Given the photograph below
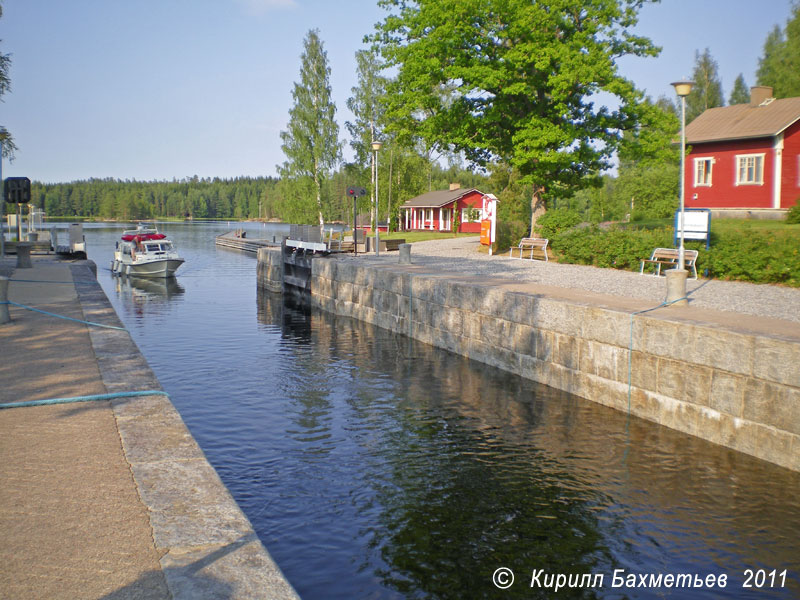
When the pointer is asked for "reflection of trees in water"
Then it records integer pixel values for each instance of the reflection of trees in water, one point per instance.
(446, 515)
(308, 386)
(473, 504)
(466, 468)
(470, 491)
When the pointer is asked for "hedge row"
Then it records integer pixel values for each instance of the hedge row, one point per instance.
(758, 257)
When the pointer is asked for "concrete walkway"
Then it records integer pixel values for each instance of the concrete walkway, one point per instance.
(109, 499)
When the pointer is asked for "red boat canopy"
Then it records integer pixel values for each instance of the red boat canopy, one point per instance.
(143, 237)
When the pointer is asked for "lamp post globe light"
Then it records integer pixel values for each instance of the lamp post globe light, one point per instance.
(676, 278)
(376, 146)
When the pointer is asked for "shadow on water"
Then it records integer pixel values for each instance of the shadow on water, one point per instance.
(454, 469)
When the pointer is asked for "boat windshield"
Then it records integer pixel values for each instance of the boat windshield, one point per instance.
(162, 247)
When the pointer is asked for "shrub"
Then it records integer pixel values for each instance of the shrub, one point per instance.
(507, 234)
(758, 256)
(794, 213)
(754, 255)
(553, 222)
(617, 248)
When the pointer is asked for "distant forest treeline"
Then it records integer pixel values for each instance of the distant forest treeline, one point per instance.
(237, 198)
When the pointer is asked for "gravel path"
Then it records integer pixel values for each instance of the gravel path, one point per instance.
(461, 255)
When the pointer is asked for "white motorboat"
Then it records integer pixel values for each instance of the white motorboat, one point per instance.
(145, 252)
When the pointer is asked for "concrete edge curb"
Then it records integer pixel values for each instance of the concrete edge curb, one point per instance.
(207, 545)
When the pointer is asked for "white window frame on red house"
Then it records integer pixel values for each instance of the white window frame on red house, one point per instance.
(743, 168)
(470, 214)
(702, 171)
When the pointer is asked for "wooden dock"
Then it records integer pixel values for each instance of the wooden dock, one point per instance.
(336, 243)
(237, 241)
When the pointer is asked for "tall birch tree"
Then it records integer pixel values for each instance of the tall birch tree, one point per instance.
(366, 106)
(311, 141)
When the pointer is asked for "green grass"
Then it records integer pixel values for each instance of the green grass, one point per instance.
(724, 226)
(753, 225)
(422, 236)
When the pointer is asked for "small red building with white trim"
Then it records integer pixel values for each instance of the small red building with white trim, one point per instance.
(745, 156)
(435, 211)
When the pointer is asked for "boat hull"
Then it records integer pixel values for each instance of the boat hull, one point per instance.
(152, 268)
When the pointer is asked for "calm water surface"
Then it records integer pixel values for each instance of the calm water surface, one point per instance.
(373, 466)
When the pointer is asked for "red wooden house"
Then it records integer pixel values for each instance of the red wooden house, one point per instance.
(745, 156)
(437, 210)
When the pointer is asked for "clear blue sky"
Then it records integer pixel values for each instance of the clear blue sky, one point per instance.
(162, 89)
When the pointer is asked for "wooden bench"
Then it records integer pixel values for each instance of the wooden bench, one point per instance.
(669, 257)
(532, 244)
(393, 244)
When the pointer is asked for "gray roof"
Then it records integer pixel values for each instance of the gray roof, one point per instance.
(743, 121)
(439, 198)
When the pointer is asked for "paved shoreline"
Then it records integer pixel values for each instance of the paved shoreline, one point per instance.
(461, 255)
(108, 499)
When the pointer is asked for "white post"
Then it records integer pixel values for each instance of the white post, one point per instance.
(777, 179)
(377, 228)
(676, 278)
(681, 252)
(375, 147)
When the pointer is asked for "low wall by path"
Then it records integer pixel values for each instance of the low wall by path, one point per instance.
(207, 545)
(691, 370)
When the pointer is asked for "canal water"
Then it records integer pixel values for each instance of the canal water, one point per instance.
(374, 466)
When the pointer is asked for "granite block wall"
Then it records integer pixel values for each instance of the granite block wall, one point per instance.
(738, 390)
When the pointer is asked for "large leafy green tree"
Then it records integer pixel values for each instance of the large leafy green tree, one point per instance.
(707, 90)
(311, 141)
(516, 81)
(779, 67)
(5, 86)
(740, 94)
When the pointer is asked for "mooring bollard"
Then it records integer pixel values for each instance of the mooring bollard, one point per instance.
(676, 287)
(4, 316)
(24, 255)
(405, 254)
